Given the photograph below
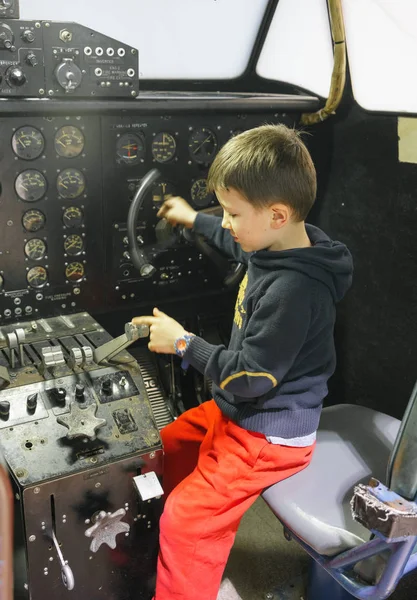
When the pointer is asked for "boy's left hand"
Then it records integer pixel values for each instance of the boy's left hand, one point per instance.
(163, 331)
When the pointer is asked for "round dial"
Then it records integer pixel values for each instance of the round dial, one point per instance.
(69, 141)
(33, 220)
(163, 147)
(70, 183)
(199, 194)
(73, 216)
(202, 145)
(37, 277)
(28, 143)
(73, 245)
(162, 191)
(30, 185)
(130, 148)
(74, 271)
(35, 249)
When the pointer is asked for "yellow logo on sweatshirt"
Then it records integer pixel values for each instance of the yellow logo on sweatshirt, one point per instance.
(239, 310)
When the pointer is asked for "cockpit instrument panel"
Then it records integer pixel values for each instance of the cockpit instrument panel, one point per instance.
(67, 182)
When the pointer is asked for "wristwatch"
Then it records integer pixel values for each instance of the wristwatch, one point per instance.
(182, 343)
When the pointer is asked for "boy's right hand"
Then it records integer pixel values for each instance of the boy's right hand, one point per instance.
(177, 211)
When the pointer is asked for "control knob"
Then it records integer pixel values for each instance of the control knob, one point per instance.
(31, 402)
(6, 36)
(4, 409)
(79, 392)
(32, 59)
(15, 76)
(60, 395)
(28, 36)
(106, 386)
(68, 75)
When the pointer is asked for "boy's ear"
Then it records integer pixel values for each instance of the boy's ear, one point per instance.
(280, 215)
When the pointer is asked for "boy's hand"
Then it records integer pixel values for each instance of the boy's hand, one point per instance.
(178, 212)
(163, 331)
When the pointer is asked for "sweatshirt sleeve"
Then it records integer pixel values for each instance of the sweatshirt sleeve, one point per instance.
(274, 336)
(211, 228)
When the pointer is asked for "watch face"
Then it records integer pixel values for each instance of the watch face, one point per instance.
(181, 345)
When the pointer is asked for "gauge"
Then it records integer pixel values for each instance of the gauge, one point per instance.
(74, 271)
(33, 220)
(199, 194)
(37, 277)
(35, 249)
(69, 141)
(70, 183)
(73, 245)
(28, 143)
(30, 185)
(162, 192)
(1, 282)
(202, 145)
(130, 148)
(73, 216)
(163, 147)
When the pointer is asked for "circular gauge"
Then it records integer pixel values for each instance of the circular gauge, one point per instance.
(37, 277)
(28, 143)
(74, 271)
(163, 147)
(202, 145)
(130, 148)
(35, 249)
(73, 245)
(70, 183)
(69, 141)
(162, 191)
(30, 185)
(33, 220)
(73, 216)
(199, 194)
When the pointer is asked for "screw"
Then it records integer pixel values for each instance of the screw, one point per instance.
(32, 538)
(152, 455)
(36, 490)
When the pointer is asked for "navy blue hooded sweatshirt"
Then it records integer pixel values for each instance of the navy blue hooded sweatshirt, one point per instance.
(272, 378)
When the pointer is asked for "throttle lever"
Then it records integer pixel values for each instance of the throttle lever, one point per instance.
(112, 348)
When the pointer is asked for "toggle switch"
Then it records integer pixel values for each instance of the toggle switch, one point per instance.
(4, 409)
(79, 392)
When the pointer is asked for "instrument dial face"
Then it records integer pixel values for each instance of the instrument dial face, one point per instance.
(70, 183)
(69, 141)
(30, 185)
(35, 249)
(163, 147)
(37, 277)
(73, 245)
(162, 191)
(73, 216)
(130, 148)
(28, 143)
(33, 220)
(199, 194)
(74, 271)
(202, 145)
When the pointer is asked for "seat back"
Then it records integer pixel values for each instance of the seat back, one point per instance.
(402, 465)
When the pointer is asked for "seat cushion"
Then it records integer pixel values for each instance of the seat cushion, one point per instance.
(353, 444)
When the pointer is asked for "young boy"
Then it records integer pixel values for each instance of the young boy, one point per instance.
(269, 384)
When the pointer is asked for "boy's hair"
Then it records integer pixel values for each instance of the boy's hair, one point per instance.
(267, 164)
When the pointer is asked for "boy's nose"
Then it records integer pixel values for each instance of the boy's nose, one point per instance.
(225, 222)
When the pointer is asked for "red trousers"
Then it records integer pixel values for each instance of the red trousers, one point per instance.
(214, 471)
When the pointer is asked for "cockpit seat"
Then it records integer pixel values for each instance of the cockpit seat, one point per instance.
(354, 444)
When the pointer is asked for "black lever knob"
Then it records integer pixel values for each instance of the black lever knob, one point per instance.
(4, 409)
(32, 402)
(79, 391)
(106, 386)
(60, 395)
(15, 76)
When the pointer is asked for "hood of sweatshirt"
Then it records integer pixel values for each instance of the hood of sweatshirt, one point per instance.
(327, 261)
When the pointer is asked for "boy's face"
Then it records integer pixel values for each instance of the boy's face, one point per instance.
(251, 228)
